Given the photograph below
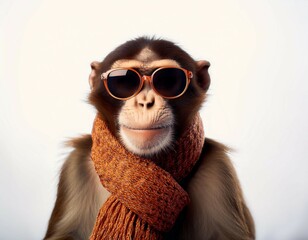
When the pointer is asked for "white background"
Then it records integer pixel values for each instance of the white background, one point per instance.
(257, 101)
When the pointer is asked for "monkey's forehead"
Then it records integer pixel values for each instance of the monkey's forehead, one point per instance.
(145, 60)
(144, 65)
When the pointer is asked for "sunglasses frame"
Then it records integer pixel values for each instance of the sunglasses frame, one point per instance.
(188, 75)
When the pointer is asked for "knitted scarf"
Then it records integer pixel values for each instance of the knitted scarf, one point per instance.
(146, 197)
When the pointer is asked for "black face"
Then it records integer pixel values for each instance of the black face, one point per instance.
(183, 107)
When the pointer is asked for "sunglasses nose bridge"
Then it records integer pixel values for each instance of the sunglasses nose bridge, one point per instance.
(146, 78)
(146, 81)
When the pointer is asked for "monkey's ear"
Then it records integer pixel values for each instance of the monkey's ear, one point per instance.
(203, 76)
(94, 73)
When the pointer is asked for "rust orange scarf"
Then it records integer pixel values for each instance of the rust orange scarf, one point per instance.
(146, 197)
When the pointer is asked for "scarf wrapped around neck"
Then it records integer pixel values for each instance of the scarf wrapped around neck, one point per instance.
(146, 197)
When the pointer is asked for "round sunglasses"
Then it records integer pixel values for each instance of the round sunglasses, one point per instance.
(168, 82)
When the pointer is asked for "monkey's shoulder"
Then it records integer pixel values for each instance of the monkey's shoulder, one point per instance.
(214, 148)
(215, 157)
(80, 154)
(81, 143)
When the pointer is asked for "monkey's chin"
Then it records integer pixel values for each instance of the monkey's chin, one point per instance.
(146, 142)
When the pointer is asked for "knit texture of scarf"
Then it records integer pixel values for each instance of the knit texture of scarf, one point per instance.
(146, 197)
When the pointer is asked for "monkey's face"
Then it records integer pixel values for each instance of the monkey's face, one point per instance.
(146, 123)
(147, 100)
(146, 120)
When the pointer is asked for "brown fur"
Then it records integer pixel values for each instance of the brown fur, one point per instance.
(80, 195)
(217, 209)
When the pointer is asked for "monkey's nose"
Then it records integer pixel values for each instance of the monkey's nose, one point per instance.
(145, 100)
(146, 97)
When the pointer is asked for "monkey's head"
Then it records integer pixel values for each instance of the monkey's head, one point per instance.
(148, 91)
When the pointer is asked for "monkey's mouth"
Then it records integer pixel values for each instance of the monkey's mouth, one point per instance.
(147, 134)
(146, 141)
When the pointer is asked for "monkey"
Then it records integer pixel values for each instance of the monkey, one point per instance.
(217, 208)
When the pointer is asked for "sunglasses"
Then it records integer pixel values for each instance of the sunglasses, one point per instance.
(168, 82)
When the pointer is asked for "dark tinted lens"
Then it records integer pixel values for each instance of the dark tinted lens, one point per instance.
(123, 83)
(169, 82)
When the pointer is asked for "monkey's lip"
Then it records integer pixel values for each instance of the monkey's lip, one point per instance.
(146, 128)
(145, 137)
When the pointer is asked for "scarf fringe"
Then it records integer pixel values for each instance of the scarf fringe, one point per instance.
(116, 221)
